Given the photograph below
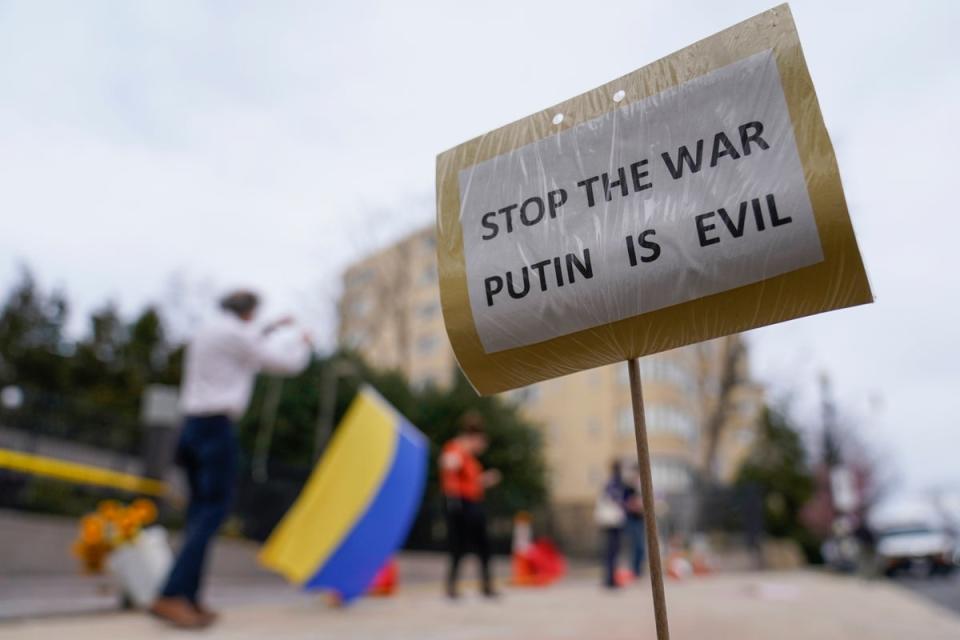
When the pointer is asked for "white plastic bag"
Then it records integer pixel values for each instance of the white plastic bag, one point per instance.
(141, 567)
(608, 513)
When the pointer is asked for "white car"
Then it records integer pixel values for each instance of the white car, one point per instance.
(917, 549)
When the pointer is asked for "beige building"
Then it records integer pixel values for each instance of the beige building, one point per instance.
(390, 313)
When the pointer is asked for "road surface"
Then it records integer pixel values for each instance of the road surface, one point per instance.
(943, 591)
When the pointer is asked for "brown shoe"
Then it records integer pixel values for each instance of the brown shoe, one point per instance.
(177, 612)
(209, 616)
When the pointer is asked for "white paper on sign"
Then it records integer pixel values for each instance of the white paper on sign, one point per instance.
(557, 234)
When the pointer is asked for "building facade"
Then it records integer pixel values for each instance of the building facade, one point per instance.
(390, 314)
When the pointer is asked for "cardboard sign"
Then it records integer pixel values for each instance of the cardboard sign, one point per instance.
(693, 198)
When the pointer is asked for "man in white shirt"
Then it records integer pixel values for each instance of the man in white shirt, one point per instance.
(222, 362)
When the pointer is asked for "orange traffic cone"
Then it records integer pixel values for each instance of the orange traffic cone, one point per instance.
(385, 583)
(523, 574)
(701, 565)
(700, 557)
(535, 562)
(678, 567)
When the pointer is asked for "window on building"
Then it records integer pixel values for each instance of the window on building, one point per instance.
(429, 274)
(670, 476)
(553, 432)
(745, 438)
(426, 344)
(355, 339)
(625, 421)
(595, 476)
(426, 380)
(593, 428)
(712, 386)
(650, 368)
(360, 307)
(429, 310)
(526, 394)
(671, 420)
(746, 407)
(360, 277)
(669, 369)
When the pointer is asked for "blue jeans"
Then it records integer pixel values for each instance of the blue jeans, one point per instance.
(611, 550)
(638, 543)
(208, 452)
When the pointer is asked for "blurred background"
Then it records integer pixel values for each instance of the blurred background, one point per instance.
(153, 155)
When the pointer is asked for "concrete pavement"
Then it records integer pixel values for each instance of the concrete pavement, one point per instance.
(788, 606)
(41, 596)
(39, 577)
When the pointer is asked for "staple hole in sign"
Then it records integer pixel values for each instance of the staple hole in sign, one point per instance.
(619, 95)
(557, 119)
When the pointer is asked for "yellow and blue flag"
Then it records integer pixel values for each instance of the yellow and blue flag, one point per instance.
(358, 504)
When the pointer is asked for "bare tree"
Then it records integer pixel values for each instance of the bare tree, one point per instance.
(718, 381)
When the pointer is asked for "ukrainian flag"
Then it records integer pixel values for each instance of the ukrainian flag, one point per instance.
(358, 505)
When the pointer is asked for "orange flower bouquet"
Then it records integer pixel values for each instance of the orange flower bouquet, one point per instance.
(119, 537)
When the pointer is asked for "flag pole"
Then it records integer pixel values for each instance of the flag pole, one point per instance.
(646, 493)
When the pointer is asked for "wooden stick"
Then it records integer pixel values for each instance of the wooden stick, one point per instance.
(646, 489)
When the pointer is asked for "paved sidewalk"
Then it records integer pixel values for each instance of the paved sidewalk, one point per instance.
(39, 577)
(789, 606)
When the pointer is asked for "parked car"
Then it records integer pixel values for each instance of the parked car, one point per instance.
(916, 538)
(917, 549)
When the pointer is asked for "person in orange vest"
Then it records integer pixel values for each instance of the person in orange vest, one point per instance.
(463, 482)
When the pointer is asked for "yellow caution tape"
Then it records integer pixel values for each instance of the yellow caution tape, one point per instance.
(79, 473)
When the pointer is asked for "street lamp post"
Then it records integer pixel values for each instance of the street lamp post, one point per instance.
(336, 369)
(268, 420)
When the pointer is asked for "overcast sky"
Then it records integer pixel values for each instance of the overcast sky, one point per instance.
(271, 143)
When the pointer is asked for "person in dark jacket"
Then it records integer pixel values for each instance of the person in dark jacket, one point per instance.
(611, 515)
(636, 534)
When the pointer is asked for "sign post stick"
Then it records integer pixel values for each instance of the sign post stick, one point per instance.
(646, 490)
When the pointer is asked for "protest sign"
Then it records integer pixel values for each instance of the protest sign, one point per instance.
(696, 197)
